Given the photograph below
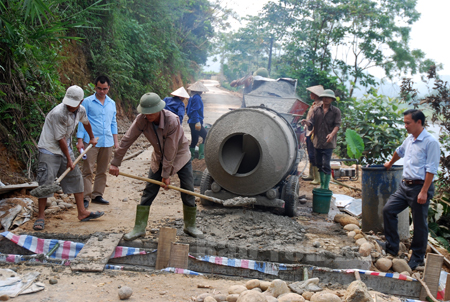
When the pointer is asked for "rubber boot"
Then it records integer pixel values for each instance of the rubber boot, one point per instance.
(326, 181)
(311, 173)
(189, 215)
(322, 180)
(316, 180)
(140, 224)
(192, 153)
(201, 151)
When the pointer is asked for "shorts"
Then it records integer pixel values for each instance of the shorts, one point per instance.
(51, 166)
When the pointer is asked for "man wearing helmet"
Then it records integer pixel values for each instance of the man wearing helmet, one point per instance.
(170, 155)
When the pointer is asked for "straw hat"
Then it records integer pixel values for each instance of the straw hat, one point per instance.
(181, 92)
(198, 86)
(317, 90)
(328, 93)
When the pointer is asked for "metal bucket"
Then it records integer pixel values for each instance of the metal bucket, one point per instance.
(377, 185)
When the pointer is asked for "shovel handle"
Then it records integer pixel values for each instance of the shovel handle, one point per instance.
(216, 200)
(74, 163)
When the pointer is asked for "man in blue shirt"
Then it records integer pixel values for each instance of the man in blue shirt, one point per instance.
(101, 112)
(421, 152)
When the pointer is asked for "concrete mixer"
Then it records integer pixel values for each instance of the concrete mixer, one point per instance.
(252, 152)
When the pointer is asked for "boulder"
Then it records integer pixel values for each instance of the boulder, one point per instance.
(361, 241)
(236, 289)
(357, 292)
(232, 298)
(358, 236)
(202, 297)
(325, 297)
(220, 298)
(264, 285)
(251, 296)
(271, 299)
(346, 219)
(365, 249)
(383, 264)
(125, 292)
(291, 297)
(257, 289)
(400, 265)
(310, 285)
(351, 234)
(351, 227)
(278, 287)
(209, 299)
(252, 283)
(307, 295)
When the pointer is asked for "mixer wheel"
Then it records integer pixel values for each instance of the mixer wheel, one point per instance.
(290, 195)
(205, 185)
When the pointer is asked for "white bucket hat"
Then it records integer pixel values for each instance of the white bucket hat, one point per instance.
(181, 92)
(74, 95)
(198, 86)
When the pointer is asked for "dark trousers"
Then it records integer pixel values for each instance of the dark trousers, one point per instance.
(406, 196)
(323, 159)
(311, 151)
(186, 182)
(195, 135)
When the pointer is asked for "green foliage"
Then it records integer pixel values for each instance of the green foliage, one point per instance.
(378, 120)
(355, 144)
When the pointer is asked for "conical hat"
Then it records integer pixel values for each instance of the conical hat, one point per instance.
(317, 90)
(181, 92)
(198, 86)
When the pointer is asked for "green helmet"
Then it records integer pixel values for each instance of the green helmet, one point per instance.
(262, 72)
(328, 93)
(150, 103)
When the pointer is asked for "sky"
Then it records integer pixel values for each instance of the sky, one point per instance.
(428, 34)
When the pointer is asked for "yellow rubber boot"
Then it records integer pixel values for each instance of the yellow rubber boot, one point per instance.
(316, 180)
(311, 173)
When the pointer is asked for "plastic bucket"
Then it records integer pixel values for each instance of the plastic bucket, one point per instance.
(321, 200)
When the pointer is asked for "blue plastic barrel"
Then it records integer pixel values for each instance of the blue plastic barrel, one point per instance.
(378, 184)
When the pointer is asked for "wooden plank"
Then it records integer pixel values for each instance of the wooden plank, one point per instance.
(431, 275)
(179, 254)
(435, 250)
(28, 186)
(447, 289)
(95, 254)
(166, 237)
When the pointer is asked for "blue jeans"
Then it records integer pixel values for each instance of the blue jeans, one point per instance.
(406, 196)
(186, 182)
(323, 159)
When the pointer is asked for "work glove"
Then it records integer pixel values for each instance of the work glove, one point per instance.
(198, 126)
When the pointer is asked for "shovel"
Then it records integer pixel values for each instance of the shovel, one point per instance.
(237, 201)
(45, 190)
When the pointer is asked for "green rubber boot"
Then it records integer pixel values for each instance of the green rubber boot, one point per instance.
(326, 181)
(316, 180)
(311, 173)
(140, 224)
(322, 180)
(189, 215)
(201, 151)
(192, 153)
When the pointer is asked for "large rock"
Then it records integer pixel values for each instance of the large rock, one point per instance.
(357, 292)
(232, 298)
(271, 299)
(310, 285)
(252, 283)
(220, 298)
(236, 289)
(351, 234)
(351, 227)
(251, 296)
(359, 242)
(264, 285)
(125, 292)
(400, 265)
(344, 219)
(278, 287)
(325, 297)
(358, 236)
(291, 297)
(383, 264)
(209, 299)
(307, 295)
(202, 297)
(365, 249)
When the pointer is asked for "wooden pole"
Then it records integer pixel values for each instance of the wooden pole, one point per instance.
(431, 276)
